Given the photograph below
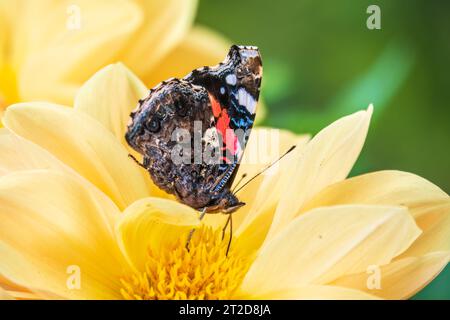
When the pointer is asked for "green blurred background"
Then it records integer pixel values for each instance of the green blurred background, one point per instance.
(322, 62)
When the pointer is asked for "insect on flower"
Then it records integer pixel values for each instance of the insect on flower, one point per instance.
(222, 100)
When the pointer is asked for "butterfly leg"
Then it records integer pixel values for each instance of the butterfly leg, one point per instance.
(230, 219)
(225, 227)
(143, 165)
(137, 161)
(191, 233)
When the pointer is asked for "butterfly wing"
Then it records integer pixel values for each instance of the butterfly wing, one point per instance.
(210, 102)
(233, 88)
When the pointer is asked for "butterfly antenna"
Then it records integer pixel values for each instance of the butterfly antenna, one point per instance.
(239, 182)
(265, 169)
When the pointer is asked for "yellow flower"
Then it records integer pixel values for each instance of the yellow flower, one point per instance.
(80, 220)
(49, 48)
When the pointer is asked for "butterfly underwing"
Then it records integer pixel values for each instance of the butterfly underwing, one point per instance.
(217, 104)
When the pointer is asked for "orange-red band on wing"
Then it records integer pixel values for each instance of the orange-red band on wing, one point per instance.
(216, 108)
(230, 140)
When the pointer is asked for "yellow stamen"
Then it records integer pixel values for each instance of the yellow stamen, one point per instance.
(203, 272)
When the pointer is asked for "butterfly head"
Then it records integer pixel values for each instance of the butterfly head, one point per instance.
(225, 202)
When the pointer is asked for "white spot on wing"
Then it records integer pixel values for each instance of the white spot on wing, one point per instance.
(231, 79)
(246, 100)
(242, 97)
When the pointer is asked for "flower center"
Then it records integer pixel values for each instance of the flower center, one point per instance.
(203, 272)
(8, 86)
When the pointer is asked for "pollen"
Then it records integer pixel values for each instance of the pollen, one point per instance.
(204, 272)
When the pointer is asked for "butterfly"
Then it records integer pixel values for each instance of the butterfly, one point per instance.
(211, 111)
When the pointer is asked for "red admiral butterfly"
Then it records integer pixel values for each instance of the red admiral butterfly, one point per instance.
(219, 104)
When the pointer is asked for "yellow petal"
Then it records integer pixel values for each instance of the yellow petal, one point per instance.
(110, 96)
(19, 292)
(400, 279)
(7, 285)
(164, 25)
(313, 293)
(14, 291)
(436, 233)
(328, 158)
(5, 295)
(19, 154)
(8, 83)
(383, 187)
(51, 228)
(326, 243)
(152, 223)
(4, 28)
(82, 143)
(20, 295)
(263, 194)
(59, 45)
(8, 86)
(264, 147)
(4, 31)
(199, 47)
(429, 205)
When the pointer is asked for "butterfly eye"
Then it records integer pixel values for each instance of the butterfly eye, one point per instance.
(153, 125)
